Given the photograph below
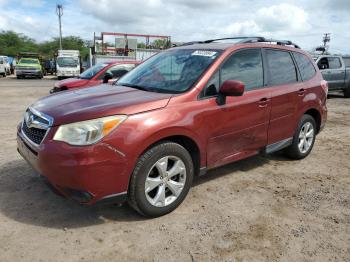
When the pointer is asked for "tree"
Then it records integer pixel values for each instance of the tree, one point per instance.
(160, 44)
(12, 43)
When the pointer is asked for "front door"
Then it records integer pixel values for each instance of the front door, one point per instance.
(238, 128)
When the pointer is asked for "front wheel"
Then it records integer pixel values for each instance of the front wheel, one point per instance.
(304, 138)
(161, 179)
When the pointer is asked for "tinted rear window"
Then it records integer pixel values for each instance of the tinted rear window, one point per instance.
(305, 66)
(281, 67)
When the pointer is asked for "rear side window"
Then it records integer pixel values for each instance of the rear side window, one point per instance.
(245, 66)
(305, 66)
(346, 61)
(334, 62)
(281, 67)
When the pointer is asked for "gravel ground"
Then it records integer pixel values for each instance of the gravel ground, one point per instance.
(265, 208)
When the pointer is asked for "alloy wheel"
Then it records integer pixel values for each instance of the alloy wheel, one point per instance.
(165, 181)
(306, 137)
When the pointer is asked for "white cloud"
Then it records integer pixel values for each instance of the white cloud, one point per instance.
(283, 18)
(33, 3)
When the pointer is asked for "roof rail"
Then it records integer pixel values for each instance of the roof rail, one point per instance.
(265, 40)
(247, 39)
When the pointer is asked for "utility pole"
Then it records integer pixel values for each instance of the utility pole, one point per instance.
(326, 39)
(59, 11)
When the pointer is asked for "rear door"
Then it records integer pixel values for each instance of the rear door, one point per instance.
(333, 71)
(285, 90)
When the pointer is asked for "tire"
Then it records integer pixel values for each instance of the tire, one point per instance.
(164, 156)
(298, 149)
(347, 92)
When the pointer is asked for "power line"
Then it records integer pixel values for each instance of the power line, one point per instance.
(59, 11)
(326, 39)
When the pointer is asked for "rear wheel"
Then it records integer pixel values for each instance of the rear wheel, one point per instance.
(304, 138)
(161, 179)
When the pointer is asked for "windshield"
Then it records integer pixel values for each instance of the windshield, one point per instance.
(92, 71)
(172, 71)
(68, 61)
(29, 61)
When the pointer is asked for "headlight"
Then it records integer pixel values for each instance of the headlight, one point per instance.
(88, 132)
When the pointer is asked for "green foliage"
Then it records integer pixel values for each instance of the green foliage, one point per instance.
(12, 43)
(160, 44)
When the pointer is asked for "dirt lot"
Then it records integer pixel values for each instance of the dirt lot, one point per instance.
(266, 208)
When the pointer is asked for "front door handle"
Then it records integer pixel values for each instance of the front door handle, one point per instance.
(301, 92)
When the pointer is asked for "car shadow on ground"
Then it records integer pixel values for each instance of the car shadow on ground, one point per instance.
(25, 198)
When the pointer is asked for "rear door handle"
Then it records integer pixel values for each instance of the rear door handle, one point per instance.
(301, 92)
(263, 102)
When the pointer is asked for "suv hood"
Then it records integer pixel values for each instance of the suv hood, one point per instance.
(99, 101)
(72, 82)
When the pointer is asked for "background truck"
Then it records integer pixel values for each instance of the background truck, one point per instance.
(67, 63)
(29, 64)
(336, 71)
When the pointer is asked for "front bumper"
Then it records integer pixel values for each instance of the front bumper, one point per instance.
(56, 89)
(68, 74)
(86, 174)
(28, 73)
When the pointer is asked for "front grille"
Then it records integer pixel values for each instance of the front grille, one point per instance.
(36, 135)
(26, 68)
(35, 125)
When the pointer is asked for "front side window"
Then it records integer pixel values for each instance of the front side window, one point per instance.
(119, 70)
(281, 67)
(245, 66)
(171, 71)
(334, 62)
(92, 71)
(305, 66)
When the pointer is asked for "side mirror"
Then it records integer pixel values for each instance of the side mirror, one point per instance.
(1, 62)
(229, 88)
(107, 76)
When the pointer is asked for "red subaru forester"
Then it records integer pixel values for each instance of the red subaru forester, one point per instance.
(183, 111)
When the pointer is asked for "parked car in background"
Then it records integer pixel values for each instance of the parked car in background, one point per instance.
(29, 67)
(49, 67)
(98, 74)
(12, 63)
(2, 67)
(6, 65)
(336, 71)
(176, 115)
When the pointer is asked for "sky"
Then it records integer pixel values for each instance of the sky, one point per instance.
(302, 21)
